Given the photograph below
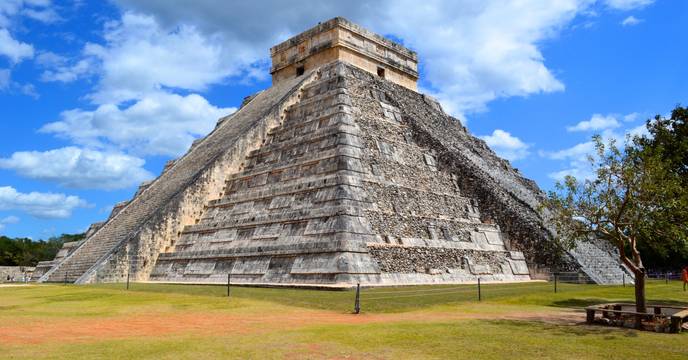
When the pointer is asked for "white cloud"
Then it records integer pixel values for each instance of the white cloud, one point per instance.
(49, 58)
(581, 171)
(62, 69)
(477, 52)
(640, 130)
(8, 220)
(79, 168)
(41, 205)
(628, 4)
(8, 9)
(575, 158)
(28, 90)
(69, 72)
(576, 151)
(7, 84)
(45, 15)
(136, 114)
(474, 52)
(506, 145)
(138, 56)
(630, 21)
(596, 122)
(14, 50)
(39, 10)
(631, 117)
(158, 124)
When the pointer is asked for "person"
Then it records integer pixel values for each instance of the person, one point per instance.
(684, 277)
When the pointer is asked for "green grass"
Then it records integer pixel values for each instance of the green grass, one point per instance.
(407, 322)
(399, 299)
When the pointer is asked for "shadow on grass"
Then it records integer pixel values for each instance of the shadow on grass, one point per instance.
(568, 330)
(580, 303)
(667, 302)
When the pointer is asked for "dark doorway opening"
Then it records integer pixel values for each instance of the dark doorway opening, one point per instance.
(381, 72)
(300, 70)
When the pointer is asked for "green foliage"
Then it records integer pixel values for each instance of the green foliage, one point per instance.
(669, 140)
(668, 143)
(26, 252)
(637, 199)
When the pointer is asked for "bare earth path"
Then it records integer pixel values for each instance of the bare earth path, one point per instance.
(208, 323)
(513, 321)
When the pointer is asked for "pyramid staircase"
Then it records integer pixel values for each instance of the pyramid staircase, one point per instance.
(351, 182)
(336, 191)
(165, 191)
(302, 186)
(602, 266)
(83, 258)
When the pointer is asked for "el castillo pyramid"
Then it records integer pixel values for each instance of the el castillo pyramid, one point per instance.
(340, 173)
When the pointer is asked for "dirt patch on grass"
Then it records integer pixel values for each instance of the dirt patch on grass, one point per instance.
(213, 322)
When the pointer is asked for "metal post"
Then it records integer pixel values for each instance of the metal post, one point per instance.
(357, 304)
(624, 279)
(666, 277)
(480, 297)
(128, 272)
(555, 283)
(65, 279)
(229, 280)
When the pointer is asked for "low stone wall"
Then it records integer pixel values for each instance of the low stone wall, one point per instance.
(15, 273)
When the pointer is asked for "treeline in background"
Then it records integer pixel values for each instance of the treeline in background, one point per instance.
(27, 252)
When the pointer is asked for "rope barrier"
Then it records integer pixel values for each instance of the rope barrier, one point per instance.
(470, 287)
(465, 289)
(416, 295)
(418, 290)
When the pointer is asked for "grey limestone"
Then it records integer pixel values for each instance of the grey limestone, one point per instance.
(334, 177)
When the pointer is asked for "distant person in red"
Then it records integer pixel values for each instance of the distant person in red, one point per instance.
(684, 277)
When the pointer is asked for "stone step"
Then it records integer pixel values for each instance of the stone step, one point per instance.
(600, 264)
(315, 139)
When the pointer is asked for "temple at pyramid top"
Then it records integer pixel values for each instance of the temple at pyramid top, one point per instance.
(340, 39)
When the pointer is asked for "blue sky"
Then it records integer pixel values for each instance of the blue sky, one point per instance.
(96, 96)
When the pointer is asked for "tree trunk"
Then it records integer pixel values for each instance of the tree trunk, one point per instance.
(640, 305)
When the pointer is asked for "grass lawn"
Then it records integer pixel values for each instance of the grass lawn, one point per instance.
(199, 322)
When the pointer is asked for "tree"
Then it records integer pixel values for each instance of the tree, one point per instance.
(668, 140)
(633, 198)
(26, 252)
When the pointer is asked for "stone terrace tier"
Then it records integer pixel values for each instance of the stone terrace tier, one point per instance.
(337, 193)
(340, 173)
(336, 178)
(132, 238)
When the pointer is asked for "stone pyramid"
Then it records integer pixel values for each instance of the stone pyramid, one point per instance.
(340, 173)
